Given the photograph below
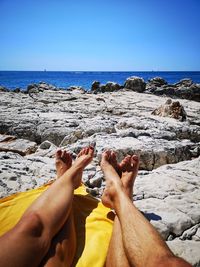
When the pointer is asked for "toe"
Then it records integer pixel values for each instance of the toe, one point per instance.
(81, 152)
(86, 150)
(123, 164)
(91, 151)
(58, 154)
(108, 152)
(113, 159)
(113, 156)
(135, 160)
(63, 154)
(68, 159)
(105, 156)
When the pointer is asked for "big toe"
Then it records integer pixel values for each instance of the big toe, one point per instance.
(68, 158)
(82, 152)
(113, 157)
(135, 160)
(105, 156)
(125, 163)
(91, 151)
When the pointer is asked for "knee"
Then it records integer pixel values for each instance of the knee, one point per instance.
(32, 226)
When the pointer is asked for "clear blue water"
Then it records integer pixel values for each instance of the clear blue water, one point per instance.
(64, 79)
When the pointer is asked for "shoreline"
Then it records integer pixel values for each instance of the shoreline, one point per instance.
(184, 89)
(65, 79)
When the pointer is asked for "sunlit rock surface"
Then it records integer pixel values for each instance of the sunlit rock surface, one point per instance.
(167, 189)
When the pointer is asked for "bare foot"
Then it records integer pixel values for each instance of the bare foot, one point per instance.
(63, 162)
(83, 159)
(129, 169)
(113, 182)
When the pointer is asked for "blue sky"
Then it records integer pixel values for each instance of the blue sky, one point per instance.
(120, 35)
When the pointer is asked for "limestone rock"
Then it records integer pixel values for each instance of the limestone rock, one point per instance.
(95, 86)
(20, 146)
(184, 83)
(136, 84)
(184, 89)
(18, 174)
(172, 109)
(188, 250)
(6, 138)
(17, 90)
(46, 149)
(76, 89)
(157, 81)
(192, 92)
(108, 87)
(167, 187)
(3, 89)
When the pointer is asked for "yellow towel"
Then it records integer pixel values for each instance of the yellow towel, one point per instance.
(92, 221)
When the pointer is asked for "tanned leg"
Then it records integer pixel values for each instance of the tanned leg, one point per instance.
(29, 241)
(63, 245)
(116, 256)
(142, 243)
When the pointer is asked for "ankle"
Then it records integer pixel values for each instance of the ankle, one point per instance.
(129, 193)
(118, 199)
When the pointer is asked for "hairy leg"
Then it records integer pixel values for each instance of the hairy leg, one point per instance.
(29, 241)
(116, 254)
(142, 243)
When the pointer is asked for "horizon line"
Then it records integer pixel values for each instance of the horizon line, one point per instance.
(45, 70)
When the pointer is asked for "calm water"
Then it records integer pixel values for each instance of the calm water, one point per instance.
(64, 79)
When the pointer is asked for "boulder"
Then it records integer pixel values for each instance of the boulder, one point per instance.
(95, 86)
(76, 89)
(17, 90)
(184, 83)
(185, 89)
(111, 87)
(136, 84)
(20, 146)
(32, 86)
(172, 109)
(40, 87)
(157, 81)
(6, 138)
(108, 87)
(46, 86)
(192, 92)
(3, 89)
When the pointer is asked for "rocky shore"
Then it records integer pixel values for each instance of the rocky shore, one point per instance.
(133, 118)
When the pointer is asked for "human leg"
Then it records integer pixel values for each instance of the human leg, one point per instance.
(30, 239)
(116, 254)
(63, 245)
(142, 243)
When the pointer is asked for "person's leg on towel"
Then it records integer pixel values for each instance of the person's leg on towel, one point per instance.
(29, 241)
(63, 245)
(143, 246)
(116, 256)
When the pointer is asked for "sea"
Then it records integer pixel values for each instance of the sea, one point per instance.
(65, 79)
